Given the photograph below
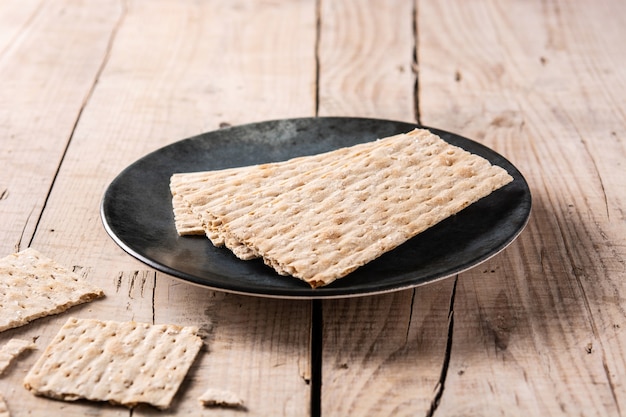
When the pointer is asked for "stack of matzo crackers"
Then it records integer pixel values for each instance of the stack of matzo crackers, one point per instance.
(320, 217)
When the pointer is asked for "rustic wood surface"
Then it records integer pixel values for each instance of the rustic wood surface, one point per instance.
(87, 87)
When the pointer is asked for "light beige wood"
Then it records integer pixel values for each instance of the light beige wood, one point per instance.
(175, 69)
(256, 348)
(539, 329)
(50, 56)
(15, 18)
(42, 89)
(382, 355)
(366, 59)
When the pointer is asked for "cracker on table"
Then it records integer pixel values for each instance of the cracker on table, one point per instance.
(214, 397)
(123, 363)
(33, 286)
(351, 213)
(11, 350)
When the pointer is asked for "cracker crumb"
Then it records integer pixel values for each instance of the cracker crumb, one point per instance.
(11, 350)
(214, 397)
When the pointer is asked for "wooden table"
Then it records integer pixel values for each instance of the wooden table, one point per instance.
(88, 87)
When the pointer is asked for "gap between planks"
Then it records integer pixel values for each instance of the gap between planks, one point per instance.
(447, 354)
(317, 315)
(103, 64)
(317, 342)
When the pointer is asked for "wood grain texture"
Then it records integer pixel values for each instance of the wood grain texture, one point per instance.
(256, 348)
(174, 69)
(541, 83)
(15, 18)
(366, 59)
(49, 59)
(87, 87)
(382, 355)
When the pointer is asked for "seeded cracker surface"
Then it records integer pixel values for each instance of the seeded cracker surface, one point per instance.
(11, 350)
(348, 208)
(216, 197)
(33, 285)
(124, 363)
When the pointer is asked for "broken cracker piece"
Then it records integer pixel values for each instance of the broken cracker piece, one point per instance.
(33, 286)
(125, 363)
(11, 350)
(214, 397)
(185, 220)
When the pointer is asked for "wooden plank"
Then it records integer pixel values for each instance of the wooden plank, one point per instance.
(15, 18)
(256, 348)
(539, 329)
(175, 69)
(46, 53)
(382, 354)
(50, 58)
(365, 59)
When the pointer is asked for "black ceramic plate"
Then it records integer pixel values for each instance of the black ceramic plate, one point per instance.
(137, 214)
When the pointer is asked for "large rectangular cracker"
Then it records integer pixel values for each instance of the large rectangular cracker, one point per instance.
(33, 286)
(123, 363)
(217, 197)
(352, 213)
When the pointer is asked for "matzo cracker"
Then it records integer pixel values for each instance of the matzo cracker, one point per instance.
(214, 397)
(33, 285)
(321, 217)
(217, 197)
(123, 363)
(11, 350)
(325, 228)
